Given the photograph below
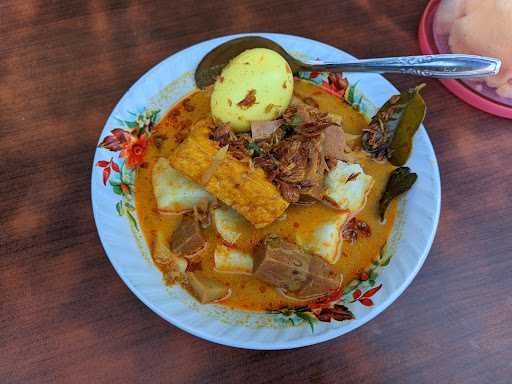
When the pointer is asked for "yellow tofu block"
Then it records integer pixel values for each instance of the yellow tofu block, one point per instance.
(246, 190)
(194, 156)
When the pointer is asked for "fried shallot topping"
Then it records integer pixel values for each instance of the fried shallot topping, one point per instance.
(292, 156)
(249, 100)
(355, 228)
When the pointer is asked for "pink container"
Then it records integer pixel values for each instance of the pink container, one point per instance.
(434, 34)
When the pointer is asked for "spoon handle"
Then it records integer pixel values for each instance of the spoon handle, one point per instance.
(439, 66)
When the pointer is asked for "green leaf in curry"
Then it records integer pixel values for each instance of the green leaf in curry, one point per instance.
(400, 181)
(254, 149)
(392, 129)
(290, 126)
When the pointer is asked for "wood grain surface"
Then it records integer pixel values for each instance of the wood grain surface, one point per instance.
(67, 317)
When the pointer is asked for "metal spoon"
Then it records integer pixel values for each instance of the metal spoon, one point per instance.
(453, 66)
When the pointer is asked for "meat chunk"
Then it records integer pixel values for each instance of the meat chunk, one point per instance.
(321, 281)
(308, 113)
(163, 255)
(263, 129)
(175, 265)
(316, 167)
(334, 144)
(188, 240)
(206, 289)
(281, 263)
(299, 274)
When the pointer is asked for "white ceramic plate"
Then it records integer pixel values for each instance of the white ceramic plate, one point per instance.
(125, 246)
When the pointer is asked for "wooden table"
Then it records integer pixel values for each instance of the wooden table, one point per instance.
(65, 314)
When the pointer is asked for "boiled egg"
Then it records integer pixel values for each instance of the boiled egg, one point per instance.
(256, 85)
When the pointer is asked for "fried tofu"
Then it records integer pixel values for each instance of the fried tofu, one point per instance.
(232, 181)
(174, 193)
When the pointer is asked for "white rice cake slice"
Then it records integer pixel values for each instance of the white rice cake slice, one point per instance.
(232, 227)
(228, 223)
(234, 230)
(174, 193)
(347, 187)
(325, 240)
(232, 260)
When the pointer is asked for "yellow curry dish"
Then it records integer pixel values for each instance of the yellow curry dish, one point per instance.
(265, 191)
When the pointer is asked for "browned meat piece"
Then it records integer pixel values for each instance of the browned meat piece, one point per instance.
(203, 212)
(163, 255)
(263, 129)
(306, 112)
(299, 274)
(334, 145)
(175, 265)
(322, 281)
(316, 168)
(205, 289)
(309, 113)
(281, 263)
(187, 240)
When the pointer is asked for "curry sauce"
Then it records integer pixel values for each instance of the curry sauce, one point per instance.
(248, 292)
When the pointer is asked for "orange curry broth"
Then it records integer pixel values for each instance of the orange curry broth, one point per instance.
(248, 292)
